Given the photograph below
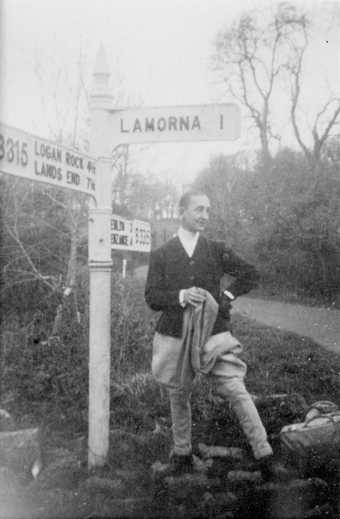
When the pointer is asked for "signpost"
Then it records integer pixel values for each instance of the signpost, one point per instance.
(37, 159)
(110, 128)
(28, 156)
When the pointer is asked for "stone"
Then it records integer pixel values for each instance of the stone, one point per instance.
(187, 480)
(201, 465)
(219, 467)
(208, 497)
(9, 482)
(320, 512)
(291, 500)
(130, 476)
(78, 446)
(127, 449)
(159, 469)
(220, 504)
(20, 449)
(225, 498)
(7, 423)
(190, 486)
(60, 473)
(58, 453)
(235, 476)
(215, 451)
(98, 484)
(126, 508)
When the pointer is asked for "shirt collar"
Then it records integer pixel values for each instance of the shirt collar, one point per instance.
(185, 235)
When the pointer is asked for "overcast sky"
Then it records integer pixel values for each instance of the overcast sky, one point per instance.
(159, 52)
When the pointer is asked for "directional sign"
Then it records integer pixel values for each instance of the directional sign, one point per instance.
(217, 122)
(25, 155)
(130, 235)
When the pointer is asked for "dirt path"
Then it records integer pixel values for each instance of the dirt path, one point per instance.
(320, 324)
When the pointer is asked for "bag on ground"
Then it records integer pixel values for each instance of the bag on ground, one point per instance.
(318, 437)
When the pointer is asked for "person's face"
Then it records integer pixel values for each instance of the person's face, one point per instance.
(196, 215)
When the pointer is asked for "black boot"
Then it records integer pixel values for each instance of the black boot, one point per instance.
(181, 464)
(273, 470)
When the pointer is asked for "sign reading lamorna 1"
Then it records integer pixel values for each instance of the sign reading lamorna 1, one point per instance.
(218, 122)
(34, 158)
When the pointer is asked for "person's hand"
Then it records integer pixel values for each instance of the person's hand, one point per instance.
(225, 305)
(193, 296)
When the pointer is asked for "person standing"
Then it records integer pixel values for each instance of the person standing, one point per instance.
(183, 274)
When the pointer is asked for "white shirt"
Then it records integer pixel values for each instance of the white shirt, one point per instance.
(188, 240)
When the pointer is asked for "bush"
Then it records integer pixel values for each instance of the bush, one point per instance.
(132, 328)
(39, 370)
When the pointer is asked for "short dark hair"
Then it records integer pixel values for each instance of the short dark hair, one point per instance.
(186, 197)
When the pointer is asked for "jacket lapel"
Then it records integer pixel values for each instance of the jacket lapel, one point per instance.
(200, 247)
(177, 249)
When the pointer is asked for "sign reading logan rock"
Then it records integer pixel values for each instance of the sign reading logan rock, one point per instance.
(130, 235)
(217, 122)
(34, 158)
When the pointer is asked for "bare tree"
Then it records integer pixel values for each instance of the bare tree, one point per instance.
(326, 118)
(252, 55)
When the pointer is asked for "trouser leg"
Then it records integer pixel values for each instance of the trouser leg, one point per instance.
(181, 419)
(235, 391)
(165, 359)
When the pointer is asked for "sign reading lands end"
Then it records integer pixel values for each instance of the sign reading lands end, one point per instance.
(27, 156)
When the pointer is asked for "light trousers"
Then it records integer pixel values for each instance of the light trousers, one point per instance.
(228, 375)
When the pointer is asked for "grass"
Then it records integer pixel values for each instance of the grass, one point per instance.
(278, 362)
(283, 362)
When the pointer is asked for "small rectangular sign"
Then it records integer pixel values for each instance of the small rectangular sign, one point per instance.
(27, 156)
(215, 122)
(130, 235)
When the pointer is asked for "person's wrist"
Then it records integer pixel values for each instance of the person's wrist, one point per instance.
(182, 298)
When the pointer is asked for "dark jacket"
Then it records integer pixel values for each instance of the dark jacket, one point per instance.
(171, 270)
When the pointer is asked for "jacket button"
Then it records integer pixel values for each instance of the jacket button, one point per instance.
(192, 278)
(191, 262)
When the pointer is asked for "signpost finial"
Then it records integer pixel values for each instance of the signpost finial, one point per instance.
(101, 97)
(101, 67)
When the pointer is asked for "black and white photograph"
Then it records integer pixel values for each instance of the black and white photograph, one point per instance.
(169, 259)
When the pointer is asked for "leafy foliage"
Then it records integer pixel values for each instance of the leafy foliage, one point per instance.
(273, 217)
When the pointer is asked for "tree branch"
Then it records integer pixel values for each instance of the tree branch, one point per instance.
(38, 275)
(319, 141)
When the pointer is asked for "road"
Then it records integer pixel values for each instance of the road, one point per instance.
(320, 324)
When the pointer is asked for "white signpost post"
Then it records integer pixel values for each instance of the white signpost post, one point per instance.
(37, 159)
